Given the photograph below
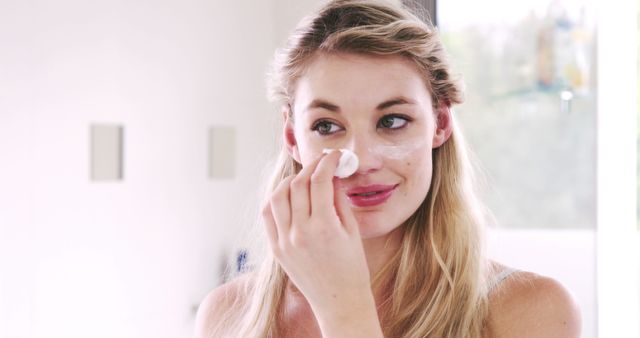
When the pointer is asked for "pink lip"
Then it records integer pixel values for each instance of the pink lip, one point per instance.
(382, 195)
(370, 188)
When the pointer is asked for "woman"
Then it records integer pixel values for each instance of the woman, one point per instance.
(393, 250)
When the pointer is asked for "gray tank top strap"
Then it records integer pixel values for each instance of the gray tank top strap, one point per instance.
(506, 272)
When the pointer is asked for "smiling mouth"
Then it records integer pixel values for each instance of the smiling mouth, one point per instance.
(368, 193)
(370, 190)
(372, 198)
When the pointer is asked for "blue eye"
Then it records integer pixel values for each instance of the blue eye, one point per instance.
(391, 121)
(323, 127)
(388, 121)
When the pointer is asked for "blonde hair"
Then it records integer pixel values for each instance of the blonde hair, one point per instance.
(436, 284)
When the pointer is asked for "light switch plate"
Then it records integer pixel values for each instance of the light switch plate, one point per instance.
(106, 152)
(222, 152)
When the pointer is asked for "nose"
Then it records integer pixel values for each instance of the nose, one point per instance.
(369, 160)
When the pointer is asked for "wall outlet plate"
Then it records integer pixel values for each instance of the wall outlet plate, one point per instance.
(106, 152)
(222, 152)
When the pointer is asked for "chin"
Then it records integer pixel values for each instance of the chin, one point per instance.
(374, 230)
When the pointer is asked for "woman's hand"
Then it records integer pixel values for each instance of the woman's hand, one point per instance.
(318, 242)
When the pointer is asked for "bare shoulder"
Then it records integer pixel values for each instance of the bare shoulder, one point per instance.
(216, 303)
(529, 305)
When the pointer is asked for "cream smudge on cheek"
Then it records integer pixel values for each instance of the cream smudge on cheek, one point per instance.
(398, 151)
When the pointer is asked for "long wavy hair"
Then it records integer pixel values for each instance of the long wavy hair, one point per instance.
(436, 283)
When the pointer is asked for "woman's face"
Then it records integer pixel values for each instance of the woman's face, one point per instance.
(381, 109)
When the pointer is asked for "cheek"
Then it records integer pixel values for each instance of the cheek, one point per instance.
(418, 167)
(306, 149)
(404, 150)
(308, 153)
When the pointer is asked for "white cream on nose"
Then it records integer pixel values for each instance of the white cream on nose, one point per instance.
(348, 163)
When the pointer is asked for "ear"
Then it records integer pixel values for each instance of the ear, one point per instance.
(289, 136)
(444, 125)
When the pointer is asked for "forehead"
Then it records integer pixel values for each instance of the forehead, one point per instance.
(360, 80)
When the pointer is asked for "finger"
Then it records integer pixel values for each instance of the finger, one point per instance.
(343, 209)
(322, 185)
(281, 208)
(300, 198)
(270, 227)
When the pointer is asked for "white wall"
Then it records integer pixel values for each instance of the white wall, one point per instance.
(129, 258)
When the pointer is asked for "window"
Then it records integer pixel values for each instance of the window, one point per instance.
(530, 110)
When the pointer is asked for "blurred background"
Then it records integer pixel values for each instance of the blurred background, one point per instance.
(135, 137)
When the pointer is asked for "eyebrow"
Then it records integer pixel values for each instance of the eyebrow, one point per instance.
(324, 104)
